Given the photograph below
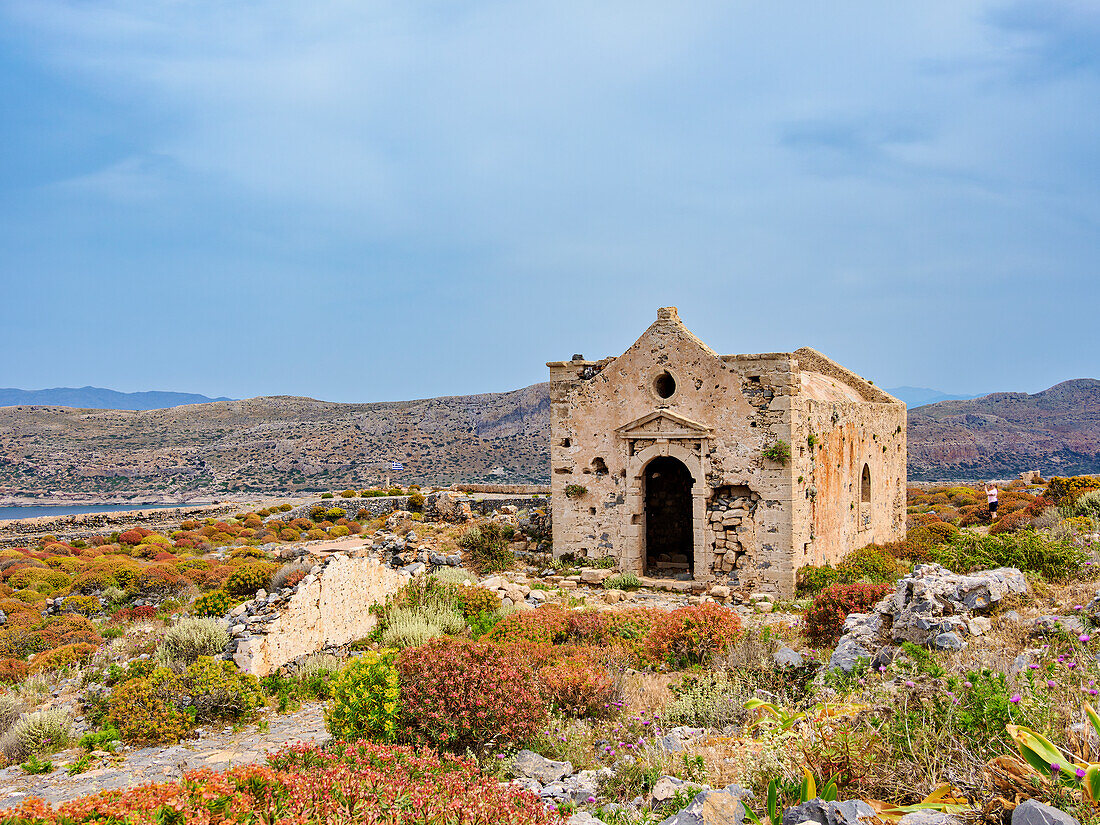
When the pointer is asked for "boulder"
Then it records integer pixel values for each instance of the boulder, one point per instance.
(529, 764)
(668, 786)
(849, 812)
(1033, 812)
(713, 807)
(591, 575)
(584, 818)
(929, 818)
(932, 606)
(786, 657)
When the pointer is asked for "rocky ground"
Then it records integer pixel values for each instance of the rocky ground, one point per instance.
(214, 749)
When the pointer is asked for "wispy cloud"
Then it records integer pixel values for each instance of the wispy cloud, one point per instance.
(545, 173)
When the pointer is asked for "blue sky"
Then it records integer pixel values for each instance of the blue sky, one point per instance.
(361, 200)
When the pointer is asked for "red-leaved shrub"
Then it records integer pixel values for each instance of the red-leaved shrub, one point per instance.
(459, 694)
(359, 784)
(825, 617)
(547, 625)
(693, 635)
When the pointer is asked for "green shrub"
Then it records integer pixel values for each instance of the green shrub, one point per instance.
(10, 708)
(575, 490)
(335, 513)
(1088, 504)
(780, 452)
(326, 495)
(37, 734)
(488, 547)
(624, 581)
(365, 702)
(214, 604)
(708, 699)
(189, 639)
(143, 710)
(247, 579)
(1056, 560)
(413, 626)
(873, 564)
(474, 600)
(813, 578)
(416, 501)
(217, 690)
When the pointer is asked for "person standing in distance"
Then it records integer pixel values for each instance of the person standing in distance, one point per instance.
(991, 495)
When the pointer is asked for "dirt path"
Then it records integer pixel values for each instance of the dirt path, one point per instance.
(217, 750)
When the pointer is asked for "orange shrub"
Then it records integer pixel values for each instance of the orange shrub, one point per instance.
(159, 579)
(694, 635)
(68, 630)
(577, 687)
(131, 537)
(13, 670)
(60, 657)
(460, 694)
(1010, 522)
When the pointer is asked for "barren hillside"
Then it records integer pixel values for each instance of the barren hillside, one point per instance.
(284, 443)
(1056, 431)
(275, 443)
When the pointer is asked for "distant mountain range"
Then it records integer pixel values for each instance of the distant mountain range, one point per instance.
(284, 443)
(1056, 432)
(919, 396)
(97, 398)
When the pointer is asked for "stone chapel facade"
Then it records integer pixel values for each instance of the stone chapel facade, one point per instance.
(669, 458)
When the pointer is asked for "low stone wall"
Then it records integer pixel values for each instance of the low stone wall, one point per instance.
(505, 489)
(330, 607)
(444, 506)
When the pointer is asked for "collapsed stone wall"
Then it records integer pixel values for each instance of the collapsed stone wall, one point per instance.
(442, 506)
(331, 606)
(731, 515)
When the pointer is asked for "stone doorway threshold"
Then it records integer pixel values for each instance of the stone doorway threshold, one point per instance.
(675, 585)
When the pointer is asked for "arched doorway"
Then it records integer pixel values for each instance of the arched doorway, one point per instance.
(669, 542)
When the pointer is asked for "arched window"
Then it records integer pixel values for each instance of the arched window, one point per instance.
(865, 485)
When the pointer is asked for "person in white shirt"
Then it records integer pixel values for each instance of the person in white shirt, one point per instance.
(991, 495)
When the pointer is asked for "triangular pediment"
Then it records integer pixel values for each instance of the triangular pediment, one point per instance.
(663, 424)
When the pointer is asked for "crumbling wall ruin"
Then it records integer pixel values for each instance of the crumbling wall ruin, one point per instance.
(331, 606)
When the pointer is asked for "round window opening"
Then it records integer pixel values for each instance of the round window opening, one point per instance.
(664, 385)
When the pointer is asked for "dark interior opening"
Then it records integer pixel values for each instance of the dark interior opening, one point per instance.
(664, 385)
(668, 534)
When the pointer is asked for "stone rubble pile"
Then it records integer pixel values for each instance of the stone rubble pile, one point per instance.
(932, 607)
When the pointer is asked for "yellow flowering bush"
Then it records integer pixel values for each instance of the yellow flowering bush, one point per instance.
(365, 700)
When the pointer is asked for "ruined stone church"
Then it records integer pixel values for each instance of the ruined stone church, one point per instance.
(739, 469)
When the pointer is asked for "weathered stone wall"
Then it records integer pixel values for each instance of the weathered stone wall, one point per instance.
(444, 506)
(506, 489)
(331, 606)
(831, 516)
